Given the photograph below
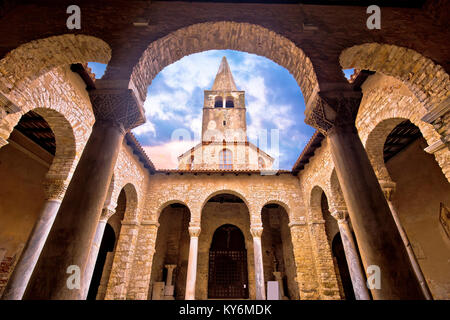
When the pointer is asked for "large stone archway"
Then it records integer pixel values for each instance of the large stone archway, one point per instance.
(427, 80)
(31, 60)
(245, 37)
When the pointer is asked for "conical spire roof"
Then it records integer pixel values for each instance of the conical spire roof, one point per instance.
(224, 79)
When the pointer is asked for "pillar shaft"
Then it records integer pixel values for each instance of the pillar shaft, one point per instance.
(192, 263)
(378, 238)
(259, 267)
(23, 270)
(352, 257)
(412, 257)
(93, 254)
(70, 239)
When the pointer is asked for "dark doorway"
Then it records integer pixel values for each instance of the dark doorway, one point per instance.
(339, 253)
(228, 277)
(107, 245)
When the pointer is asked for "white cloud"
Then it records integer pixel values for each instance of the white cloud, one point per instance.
(166, 156)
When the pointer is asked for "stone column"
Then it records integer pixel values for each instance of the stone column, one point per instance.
(380, 243)
(170, 268)
(351, 255)
(64, 259)
(54, 192)
(388, 191)
(93, 254)
(308, 286)
(256, 231)
(140, 273)
(194, 232)
(121, 269)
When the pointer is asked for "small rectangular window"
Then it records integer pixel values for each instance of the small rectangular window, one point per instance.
(224, 123)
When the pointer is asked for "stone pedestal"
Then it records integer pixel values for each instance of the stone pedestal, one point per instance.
(169, 288)
(279, 278)
(194, 232)
(351, 255)
(256, 232)
(18, 281)
(158, 290)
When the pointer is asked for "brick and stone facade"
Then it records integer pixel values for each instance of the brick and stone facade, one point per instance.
(300, 211)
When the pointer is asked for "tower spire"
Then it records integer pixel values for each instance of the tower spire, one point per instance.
(224, 79)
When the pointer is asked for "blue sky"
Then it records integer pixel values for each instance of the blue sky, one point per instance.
(175, 101)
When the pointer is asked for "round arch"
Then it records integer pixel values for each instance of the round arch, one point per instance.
(63, 162)
(165, 204)
(35, 58)
(337, 197)
(223, 191)
(244, 37)
(281, 203)
(315, 202)
(427, 80)
(131, 197)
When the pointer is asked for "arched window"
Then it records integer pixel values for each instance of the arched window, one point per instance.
(218, 103)
(261, 163)
(229, 102)
(226, 159)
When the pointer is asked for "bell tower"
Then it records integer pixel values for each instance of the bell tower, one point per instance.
(224, 109)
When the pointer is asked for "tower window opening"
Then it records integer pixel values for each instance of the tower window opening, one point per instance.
(229, 102)
(224, 123)
(218, 103)
(226, 159)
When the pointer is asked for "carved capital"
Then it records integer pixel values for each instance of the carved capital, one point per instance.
(107, 213)
(333, 109)
(118, 106)
(341, 215)
(55, 189)
(194, 231)
(388, 188)
(256, 231)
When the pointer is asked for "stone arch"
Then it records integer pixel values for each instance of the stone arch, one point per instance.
(35, 58)
(64, 161)
(337, 197)
(131, 196)
(282, 204)
(375, 145)
(245, 37)
(427, 80)
(384, 98)
(229, 191)
(165, 204)
(315, 203)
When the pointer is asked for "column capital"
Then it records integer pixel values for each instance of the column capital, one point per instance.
(388, 188)
(194, 231)
(117, 104)
(170, 266)
(256, 231)
(55, 189)
(340, 214)
(334, 108)
(107, 212)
